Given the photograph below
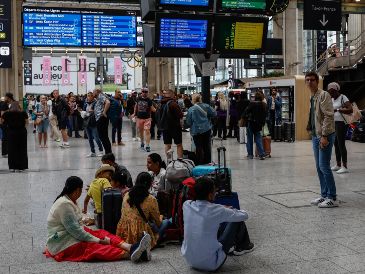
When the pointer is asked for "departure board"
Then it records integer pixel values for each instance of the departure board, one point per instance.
(48, 29)
(109, 31)
(175, 33)
(240, 34)
(201, 3)
(58, 27)
(242, 4)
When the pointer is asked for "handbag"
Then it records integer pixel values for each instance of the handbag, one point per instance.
(38, 121)
(354, 116)
(153, 226)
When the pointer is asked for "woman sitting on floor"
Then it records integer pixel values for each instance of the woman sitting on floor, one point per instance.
(157, 167)
(69, 240)
(140, 212)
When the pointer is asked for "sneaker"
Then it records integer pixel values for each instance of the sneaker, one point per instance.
(138, 248)
(134, 139)
(146, 255)
(342, 170)
(100, 154)
(121, 144)
(58, 140)
(65, 145)
(148, 149)
(335, 168)
(142, 145)
(92, 154)
(240, 252)
(114, 144)
(262, 157)
(318, 201)
(328, 203)
(138, 139)
(249, 157)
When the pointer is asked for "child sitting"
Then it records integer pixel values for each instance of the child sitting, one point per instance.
(119, 181)
(203, 220)
(102, 181)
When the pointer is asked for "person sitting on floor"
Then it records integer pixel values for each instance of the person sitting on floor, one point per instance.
(102, 181)
(69, 240)
(109, 159)
(140, 212)
(203, 222)
(119, 181)
(157, 167)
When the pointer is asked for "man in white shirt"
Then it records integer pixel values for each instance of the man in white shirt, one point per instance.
(203, 221)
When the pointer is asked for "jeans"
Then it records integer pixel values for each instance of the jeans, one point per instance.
(102, 126)
(164, 225)
(92, 134)
(134, 128)
(323, 165)
(258, 140)
(203, 148)
(233, 235)
(340, 142)
(117, 129)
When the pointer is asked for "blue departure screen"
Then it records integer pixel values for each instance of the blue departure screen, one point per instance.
(109, 31)
(201, 3)
(183, 33)
(47, 29)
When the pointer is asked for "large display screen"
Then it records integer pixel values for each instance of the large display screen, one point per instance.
(79, 28)
(241, 5)
(240, 34)
(183, 32)
(206, 5)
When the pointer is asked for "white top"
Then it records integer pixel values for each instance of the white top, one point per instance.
(338, 103)
(49, 103)
(158, 182)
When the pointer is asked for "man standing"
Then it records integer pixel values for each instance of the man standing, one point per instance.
(100, 110)
(131, 103)
(62, 110)
(142, 111)
(321, 125)
(116, 117)
(274, 105)
(171, 126)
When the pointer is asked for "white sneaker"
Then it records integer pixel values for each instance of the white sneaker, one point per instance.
(342, 170)
(92, 154)
(65, 145)
(335, 168)
(134, 139)
(318, 201)
(100, 154)
(328, 203)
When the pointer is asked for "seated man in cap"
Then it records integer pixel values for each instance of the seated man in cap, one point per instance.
(102, 181)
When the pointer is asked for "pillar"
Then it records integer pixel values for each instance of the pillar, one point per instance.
(160, 74)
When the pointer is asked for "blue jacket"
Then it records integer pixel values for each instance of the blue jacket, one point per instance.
(198, 119)
(278, 106)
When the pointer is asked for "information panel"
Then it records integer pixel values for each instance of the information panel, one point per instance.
(182, 33)
(243, 34)
(5, 34)
(80, 28)
(202, 3)
(241, 5)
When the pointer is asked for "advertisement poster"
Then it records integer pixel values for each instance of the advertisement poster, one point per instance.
(46, 70)
(118, 70)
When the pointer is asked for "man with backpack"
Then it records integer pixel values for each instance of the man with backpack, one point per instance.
(168, 121)
(203, 221)
(100, 110)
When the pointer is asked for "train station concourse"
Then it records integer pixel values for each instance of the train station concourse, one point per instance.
(182, 136)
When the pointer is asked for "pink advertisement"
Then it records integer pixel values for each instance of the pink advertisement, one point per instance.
(46, 70)
(118, 72)
(65, 77)
(82, 74)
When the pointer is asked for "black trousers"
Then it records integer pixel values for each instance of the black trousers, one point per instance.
(117, 129)
(102, 126)
(4, 142)
(233, 126)
(203, 148)
(340, 142)
(222, 127)
(271, 123)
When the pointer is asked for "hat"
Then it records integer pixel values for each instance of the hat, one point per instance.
(104, 167)
(334, 86)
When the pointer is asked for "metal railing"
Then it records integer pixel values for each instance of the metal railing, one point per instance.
(334, 58)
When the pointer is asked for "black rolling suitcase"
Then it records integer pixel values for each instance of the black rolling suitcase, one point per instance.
(277, 133)
(112, 206)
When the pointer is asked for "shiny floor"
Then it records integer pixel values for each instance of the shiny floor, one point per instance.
(290, 236)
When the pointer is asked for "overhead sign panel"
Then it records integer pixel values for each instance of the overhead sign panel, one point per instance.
(5, 34)
(178, 32)
(231, 5)
(238, 34)
(201, 5)
(322, 15)
(80, 28)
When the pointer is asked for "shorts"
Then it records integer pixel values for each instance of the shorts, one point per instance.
(43, 127)
(169, 136)
(62, 124)
(145, 123)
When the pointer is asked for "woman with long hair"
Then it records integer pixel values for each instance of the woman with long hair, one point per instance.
(221, 106)
(69, 240)
(140, 212)
(157, 167)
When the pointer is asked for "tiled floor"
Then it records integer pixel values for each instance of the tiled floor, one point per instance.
(290, 236)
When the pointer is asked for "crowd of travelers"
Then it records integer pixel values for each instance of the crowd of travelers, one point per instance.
(211, 232)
